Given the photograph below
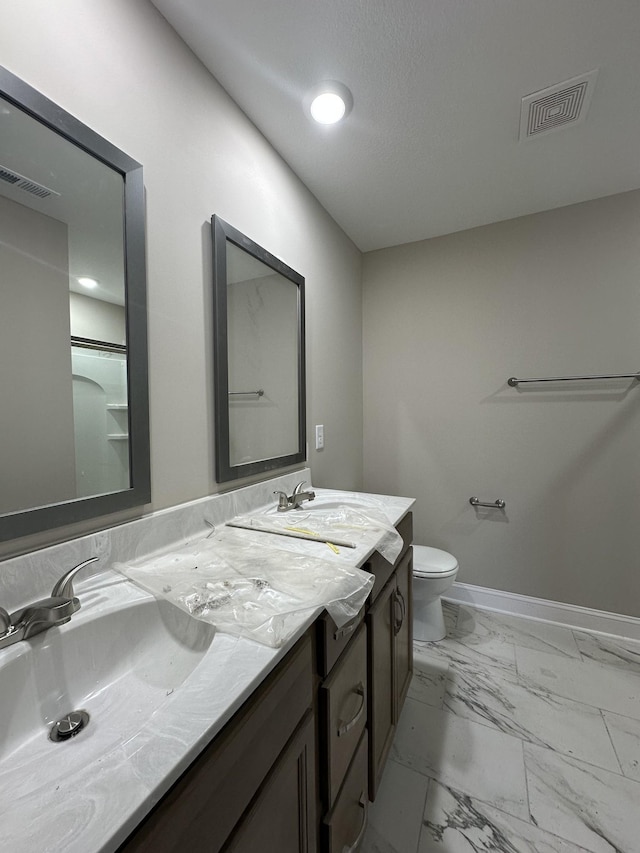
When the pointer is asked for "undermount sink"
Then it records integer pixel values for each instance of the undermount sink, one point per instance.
(333, 503)
(326, 503)
(118, 659)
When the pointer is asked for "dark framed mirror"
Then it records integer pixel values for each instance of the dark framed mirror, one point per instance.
(74, 419)
(259, 348)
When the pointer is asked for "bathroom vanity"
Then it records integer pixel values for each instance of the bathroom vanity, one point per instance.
(296, 766)
(197, 739)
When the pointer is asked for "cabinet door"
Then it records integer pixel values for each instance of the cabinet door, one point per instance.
(380, 623)
(282, 818)
(403, 631)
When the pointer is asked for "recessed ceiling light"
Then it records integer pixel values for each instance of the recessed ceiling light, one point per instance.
(329, 102)
(89, 283)
(327, 108)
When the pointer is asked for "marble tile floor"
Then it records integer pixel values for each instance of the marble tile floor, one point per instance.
(517, 736)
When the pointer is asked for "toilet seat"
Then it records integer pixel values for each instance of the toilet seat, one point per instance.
(433, 563)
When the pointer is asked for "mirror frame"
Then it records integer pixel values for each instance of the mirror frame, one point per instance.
(14, 525)
(223, 233)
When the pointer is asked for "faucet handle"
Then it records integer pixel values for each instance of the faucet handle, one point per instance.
(5, 621)
(299, 487)
(283, 499)
(64, 587)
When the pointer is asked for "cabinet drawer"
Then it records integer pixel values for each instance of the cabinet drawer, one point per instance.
(379, 567)
(344, 827)
(344, 703)
(403, 632)
(332, 641)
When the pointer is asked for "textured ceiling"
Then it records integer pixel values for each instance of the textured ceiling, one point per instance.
(431, 145)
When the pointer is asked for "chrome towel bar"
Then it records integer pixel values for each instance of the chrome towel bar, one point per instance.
(499, 504)
(515, 382)
(258, 393)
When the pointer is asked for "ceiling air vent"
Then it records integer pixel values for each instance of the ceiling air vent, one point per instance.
(26, 184)
(556, 107)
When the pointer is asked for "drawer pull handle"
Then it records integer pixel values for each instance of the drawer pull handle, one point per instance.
(399, 622)
(404, 605)
(346, 630)
(359, 690)
(364, 803)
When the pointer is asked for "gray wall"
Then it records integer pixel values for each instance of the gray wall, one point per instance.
(94, 318)
(446, 322)
(37, 451)
(119, 68)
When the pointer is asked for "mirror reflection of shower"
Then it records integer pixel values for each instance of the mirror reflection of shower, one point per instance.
(100, 417)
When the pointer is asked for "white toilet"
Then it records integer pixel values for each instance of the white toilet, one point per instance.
(434, 571)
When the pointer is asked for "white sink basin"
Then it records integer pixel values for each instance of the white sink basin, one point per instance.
(118, 659)
(326, 503)
(334, 503)
(157, 685)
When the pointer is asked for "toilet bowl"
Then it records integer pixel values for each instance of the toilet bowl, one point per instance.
(434, 571)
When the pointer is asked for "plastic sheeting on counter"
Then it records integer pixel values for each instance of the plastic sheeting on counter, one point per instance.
(366, 524)
(249, 589)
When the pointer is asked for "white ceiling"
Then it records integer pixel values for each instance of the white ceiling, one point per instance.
(431, 145)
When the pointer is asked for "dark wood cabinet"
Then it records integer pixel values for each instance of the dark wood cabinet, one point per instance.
(380, 622)
(280, 819)
(403, 631)
(390, 666)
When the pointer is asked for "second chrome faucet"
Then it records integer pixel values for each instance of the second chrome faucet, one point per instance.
(293, 501)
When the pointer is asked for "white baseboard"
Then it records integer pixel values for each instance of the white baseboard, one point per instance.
(570, 615)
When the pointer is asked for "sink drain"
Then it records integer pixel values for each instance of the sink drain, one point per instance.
(69, 725)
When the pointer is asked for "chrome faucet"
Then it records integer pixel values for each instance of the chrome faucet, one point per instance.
(43, 614)
(287, 502)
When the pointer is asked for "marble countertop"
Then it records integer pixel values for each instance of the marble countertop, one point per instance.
(394, 509)
(88, 794)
